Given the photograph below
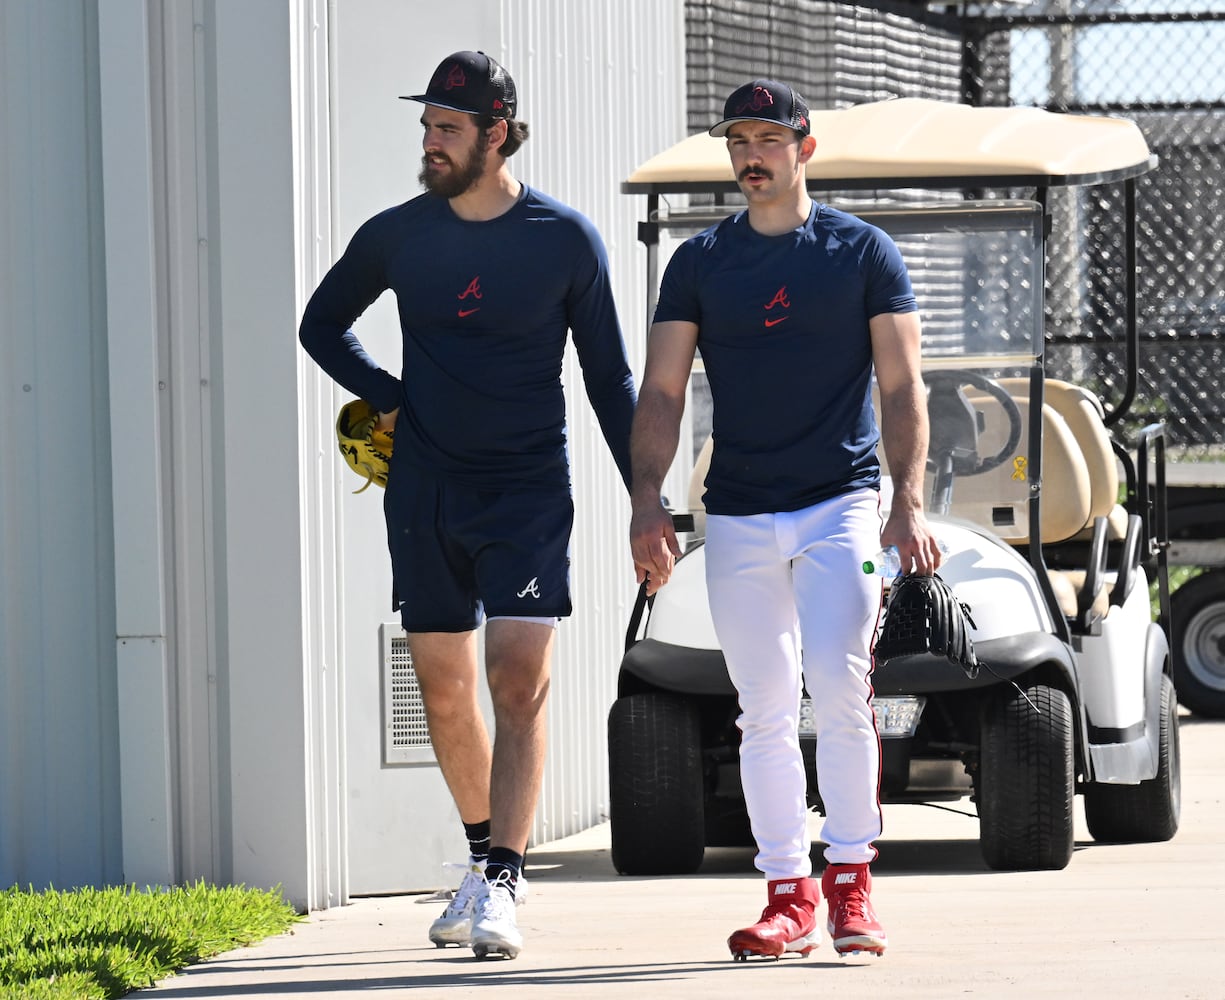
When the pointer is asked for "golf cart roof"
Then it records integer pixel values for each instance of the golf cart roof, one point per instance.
(915, 142)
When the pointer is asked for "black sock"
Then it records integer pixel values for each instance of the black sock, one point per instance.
(478, 839)
(504, 866)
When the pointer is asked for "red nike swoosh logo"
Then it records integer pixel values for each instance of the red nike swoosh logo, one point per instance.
(775, 322)
(468, 312)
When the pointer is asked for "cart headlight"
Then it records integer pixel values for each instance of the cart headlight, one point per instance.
(808, 721)
(898, 717)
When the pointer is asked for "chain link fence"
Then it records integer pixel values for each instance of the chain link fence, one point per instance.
(1157, 62)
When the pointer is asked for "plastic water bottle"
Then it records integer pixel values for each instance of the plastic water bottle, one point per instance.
(888, 563)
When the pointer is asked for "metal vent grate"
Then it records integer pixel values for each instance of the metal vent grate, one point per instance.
(406, 737)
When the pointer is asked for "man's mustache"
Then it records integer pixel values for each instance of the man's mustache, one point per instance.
(760, 171)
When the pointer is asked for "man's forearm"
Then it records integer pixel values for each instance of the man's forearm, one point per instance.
(653, 441)
(904, 434)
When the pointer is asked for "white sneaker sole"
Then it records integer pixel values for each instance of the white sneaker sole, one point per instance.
(865, 944)
(456, 932)
(496, 944)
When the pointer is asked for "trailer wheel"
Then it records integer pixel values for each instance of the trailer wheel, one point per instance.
(655, 785)
(1198, 612)
(1027, 779)
(1147, 812)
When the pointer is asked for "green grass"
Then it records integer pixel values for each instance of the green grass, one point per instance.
(1178, 576)
(103, 943)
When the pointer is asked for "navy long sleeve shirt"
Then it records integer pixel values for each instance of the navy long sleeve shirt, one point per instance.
(484, 309)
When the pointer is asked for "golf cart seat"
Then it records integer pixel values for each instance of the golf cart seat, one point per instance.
(999, 498)
(1082, 412)
(1080, 484)
(697, 486)
(1085, 594)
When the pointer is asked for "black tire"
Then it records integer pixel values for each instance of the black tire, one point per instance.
(727, 823)
(1147, 812)
(655, 785)
(1198, 657)
(1027, 784)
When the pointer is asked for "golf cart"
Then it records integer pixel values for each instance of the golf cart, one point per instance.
(1054, 527)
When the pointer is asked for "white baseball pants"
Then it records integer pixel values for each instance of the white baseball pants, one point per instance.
(779, 583)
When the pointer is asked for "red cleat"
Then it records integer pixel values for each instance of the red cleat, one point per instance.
(788, 923)
(853, 926)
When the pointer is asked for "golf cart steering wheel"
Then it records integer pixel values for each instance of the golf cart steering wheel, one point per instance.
(954, 424)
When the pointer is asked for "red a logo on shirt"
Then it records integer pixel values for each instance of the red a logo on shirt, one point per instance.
(473, 289)
(780, 299)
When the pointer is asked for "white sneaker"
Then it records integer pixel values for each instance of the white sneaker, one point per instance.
(493, 926)
(455, 924)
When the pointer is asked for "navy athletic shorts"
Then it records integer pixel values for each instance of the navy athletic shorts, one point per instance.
(459, 554)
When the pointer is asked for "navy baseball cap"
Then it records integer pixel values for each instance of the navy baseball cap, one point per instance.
(471, 82)
(764, 101)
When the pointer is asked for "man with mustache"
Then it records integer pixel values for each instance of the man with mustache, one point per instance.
(794, 305)
(489, 274)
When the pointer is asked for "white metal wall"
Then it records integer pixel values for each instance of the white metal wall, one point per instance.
(186, 598)
(59, 752)
(602, 87)
(403, 824)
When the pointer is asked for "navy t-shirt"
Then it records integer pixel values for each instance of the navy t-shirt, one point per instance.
(783, 333)
(484, 310)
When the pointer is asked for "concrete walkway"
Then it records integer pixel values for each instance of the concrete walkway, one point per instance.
(1144, 921)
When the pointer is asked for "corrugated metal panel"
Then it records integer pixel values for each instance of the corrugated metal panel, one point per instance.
(59, 766)
(59, 769)
(602, 86)
(835, 54)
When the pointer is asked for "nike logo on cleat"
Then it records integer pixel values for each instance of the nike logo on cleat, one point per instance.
(846, 878)
(784, 889)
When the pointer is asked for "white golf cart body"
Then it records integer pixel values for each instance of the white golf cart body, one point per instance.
(1023, 489)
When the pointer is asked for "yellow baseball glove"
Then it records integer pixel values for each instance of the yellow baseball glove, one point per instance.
(368, 451)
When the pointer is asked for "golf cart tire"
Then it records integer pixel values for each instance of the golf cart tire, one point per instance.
(1147, 812)
(1027, 784)
(1197, 609)
(727, 823)
(655, 785)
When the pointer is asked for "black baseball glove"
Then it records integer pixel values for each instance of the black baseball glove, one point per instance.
(924, 616)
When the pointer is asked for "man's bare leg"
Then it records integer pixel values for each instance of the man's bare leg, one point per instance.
(518, 658)
(446, 668)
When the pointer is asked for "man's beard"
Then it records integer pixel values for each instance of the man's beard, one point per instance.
(458, 180)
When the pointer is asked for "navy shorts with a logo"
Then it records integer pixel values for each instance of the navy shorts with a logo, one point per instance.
(459, 554)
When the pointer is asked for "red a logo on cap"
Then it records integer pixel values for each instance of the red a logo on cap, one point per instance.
(761, 98)
(455, 78)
